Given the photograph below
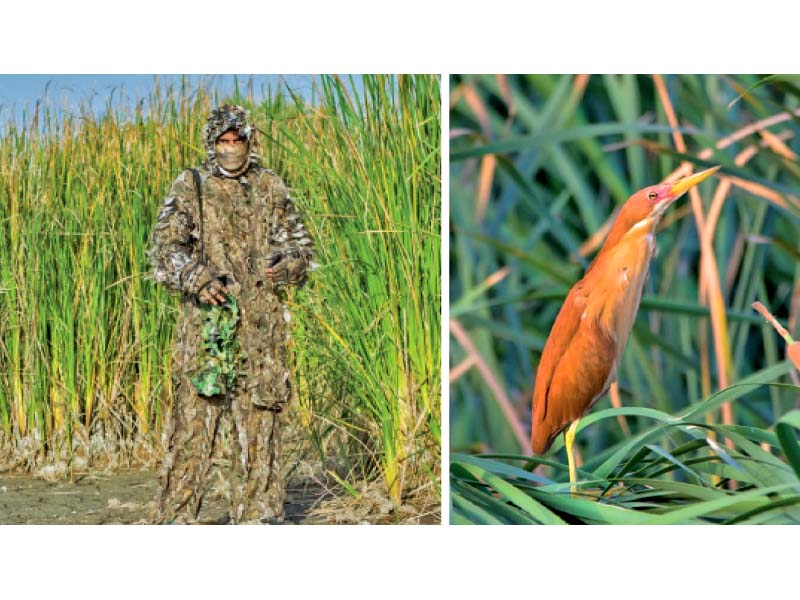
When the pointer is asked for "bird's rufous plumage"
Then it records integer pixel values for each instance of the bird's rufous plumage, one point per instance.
(585, 345)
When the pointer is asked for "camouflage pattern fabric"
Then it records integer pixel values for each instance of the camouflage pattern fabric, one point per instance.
(248, 221)
(228, 118)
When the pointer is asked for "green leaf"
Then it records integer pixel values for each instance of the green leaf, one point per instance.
(517, 497)
(472, 512)
(561, 136)
(709, 507)
(591, 509)
(739, 389)
(788, 438)
(688, 490)
(496, 467)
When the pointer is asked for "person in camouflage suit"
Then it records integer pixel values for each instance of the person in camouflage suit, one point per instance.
(245, 240)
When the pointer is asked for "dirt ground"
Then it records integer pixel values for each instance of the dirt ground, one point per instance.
(127, 497)
(120, 498)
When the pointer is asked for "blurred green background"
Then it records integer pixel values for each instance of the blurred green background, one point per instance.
(538, 166)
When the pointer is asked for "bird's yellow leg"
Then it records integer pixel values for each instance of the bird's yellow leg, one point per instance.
(569, 440)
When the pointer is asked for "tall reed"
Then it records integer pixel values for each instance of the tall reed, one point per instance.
(539, 166)
(85, 337)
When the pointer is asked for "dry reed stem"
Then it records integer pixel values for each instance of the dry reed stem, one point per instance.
(596, 239)
(794, 305)
(764, 312)
(777, 145)
(578, 90)
(616, 402)
(753, 128)
(764, 192)
(488, 163)
(461, 368)
(460, 132)
(579, 85)
(496, 277)
(709, 269)
(714, 211)
(487, 283)
(793, 352)
(707, 153)
(792, 347)
(456, 94)
(485, 179)
(477, 106)
(686, 168)
(499, 394)
(756, 189)
(508, 98)
(505, 92)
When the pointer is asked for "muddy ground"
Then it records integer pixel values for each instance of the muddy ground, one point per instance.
(127, 497)
(120, 498)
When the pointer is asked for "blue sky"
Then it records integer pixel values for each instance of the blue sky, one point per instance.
(18, 92)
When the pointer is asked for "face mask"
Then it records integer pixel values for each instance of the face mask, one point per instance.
(232, 157)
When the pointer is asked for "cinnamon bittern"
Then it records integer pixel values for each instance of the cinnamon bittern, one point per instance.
(586, 343)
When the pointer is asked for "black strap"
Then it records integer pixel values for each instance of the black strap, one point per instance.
(198, 186)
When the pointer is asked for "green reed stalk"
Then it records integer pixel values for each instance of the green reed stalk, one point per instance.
(366, 167)
(85, 337)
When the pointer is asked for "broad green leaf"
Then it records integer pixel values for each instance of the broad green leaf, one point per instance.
(689, 490)
(708, 507)
(785, 430)
(590, 509)
(516, 496)
(737, 390)
(495, 467)
(558, 137)
(776, 506)
(472, 512)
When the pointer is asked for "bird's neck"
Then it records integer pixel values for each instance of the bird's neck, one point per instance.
(627, 234)
(617, 278)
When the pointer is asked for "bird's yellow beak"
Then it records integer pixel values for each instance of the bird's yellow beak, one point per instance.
(682, 186)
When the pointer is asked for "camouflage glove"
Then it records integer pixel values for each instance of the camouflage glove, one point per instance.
(213, 293)
(288, 267)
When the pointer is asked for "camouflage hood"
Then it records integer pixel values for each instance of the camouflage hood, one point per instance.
(224, 118)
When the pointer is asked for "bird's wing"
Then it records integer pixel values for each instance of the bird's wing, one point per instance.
(575, 370)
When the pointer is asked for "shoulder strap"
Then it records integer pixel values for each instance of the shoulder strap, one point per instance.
(198, 186)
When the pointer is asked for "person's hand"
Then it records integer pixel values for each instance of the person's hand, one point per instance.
(213, 293)
(289, 267)
(277, 270)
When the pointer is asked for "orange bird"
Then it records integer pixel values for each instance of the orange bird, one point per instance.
(585, 345)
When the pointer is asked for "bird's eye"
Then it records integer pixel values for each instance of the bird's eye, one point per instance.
(652, 196)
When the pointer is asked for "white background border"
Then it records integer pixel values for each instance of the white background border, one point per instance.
(347, 36)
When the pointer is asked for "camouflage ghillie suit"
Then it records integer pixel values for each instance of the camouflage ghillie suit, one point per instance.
(247, 218)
